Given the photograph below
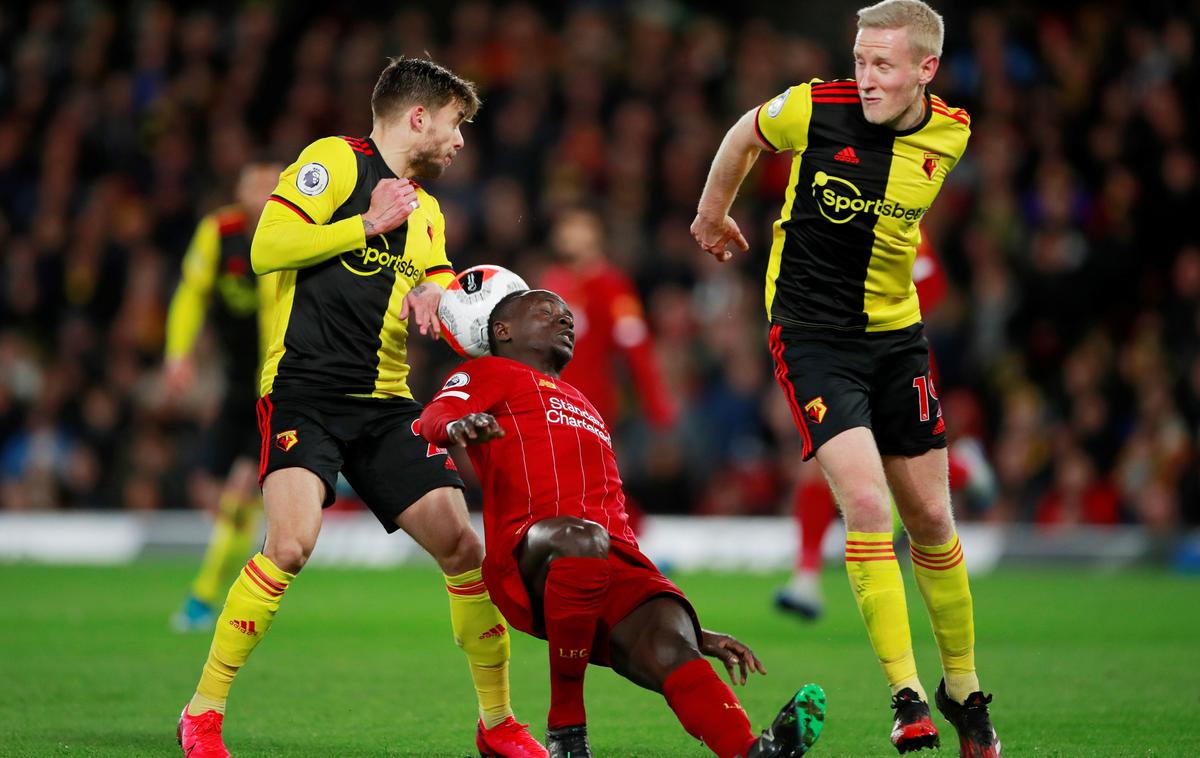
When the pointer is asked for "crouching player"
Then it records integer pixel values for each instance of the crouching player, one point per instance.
(562, 563)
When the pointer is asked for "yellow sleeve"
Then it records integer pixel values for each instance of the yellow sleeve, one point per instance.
(185, 316)
(268, 295)
(964, 135)
(294, 230)
(782, 122)
(439, 269)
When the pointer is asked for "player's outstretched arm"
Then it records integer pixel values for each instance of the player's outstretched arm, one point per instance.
(713, 228)
(474, 429)
(739, 659)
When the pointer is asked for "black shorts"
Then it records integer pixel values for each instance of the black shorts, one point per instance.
(370, 440)
(836, 381)
(232, 435)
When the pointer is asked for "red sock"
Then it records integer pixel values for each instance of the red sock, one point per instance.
(575, 591)
(814, 511)
(708, 709)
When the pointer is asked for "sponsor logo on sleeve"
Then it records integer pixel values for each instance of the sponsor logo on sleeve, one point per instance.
(312, 179)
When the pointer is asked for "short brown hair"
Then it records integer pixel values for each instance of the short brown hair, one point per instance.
(420, 81)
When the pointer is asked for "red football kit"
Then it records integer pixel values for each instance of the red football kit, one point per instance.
(609, 322)
(556, 459)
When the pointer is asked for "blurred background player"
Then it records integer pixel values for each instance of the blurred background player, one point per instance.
(613, 345)
(560, 574)
(219, 287)
(813, 506)
(610, 322)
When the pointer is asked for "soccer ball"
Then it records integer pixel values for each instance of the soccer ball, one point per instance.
(469, 301)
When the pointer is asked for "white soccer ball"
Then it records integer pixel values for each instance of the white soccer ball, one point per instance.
(469, 301)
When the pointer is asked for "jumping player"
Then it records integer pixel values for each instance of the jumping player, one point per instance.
(813, 505)
(870, 155)
(562, 563)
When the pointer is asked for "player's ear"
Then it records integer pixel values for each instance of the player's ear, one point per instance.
(501, 331)
(928, 67)
(416, 118)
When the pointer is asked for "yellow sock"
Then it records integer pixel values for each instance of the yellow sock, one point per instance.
(232, 535)
(482, 634)
(249, 609)
(942, 577)
(879, 589)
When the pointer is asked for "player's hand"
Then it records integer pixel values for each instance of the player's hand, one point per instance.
(714, 233)
(392, 202)
(738, 659)
(422, 303)
(474, 428)
(177, 377)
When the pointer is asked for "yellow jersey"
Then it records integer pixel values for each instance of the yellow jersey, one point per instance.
(843, 247)
(337, 326)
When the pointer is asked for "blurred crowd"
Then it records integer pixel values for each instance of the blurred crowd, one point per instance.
(1068, 344)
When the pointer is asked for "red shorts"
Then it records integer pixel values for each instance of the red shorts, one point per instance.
(633, 580)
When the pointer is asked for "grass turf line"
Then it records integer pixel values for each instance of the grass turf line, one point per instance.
(360, 663)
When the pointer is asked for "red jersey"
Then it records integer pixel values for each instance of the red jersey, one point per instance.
(929, 277)
(556, 458)
(609, 322)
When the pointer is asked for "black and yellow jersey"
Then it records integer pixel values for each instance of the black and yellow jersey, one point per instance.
(842, 250)
(337, 324)
(219, 285)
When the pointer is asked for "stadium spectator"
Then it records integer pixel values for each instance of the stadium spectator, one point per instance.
(122, 125)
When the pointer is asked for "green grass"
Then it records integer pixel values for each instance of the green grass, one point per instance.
(360, 664)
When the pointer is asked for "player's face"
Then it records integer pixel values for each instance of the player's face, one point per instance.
(890, 78)
(577, 237)
(442, 140)
(545, 325)
(255, 184)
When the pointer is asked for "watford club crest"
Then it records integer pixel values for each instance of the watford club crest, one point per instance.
(815, 410)
(929, 166)
(285, 441)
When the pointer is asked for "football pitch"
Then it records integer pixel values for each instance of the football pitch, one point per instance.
(360, 663)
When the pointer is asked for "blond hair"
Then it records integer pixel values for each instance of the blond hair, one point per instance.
(925, 28)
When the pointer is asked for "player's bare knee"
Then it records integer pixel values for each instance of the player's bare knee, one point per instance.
(664, 650)
(578, 538)
(865, 508)
(288, 553)
(464, 552)
(933, 525)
